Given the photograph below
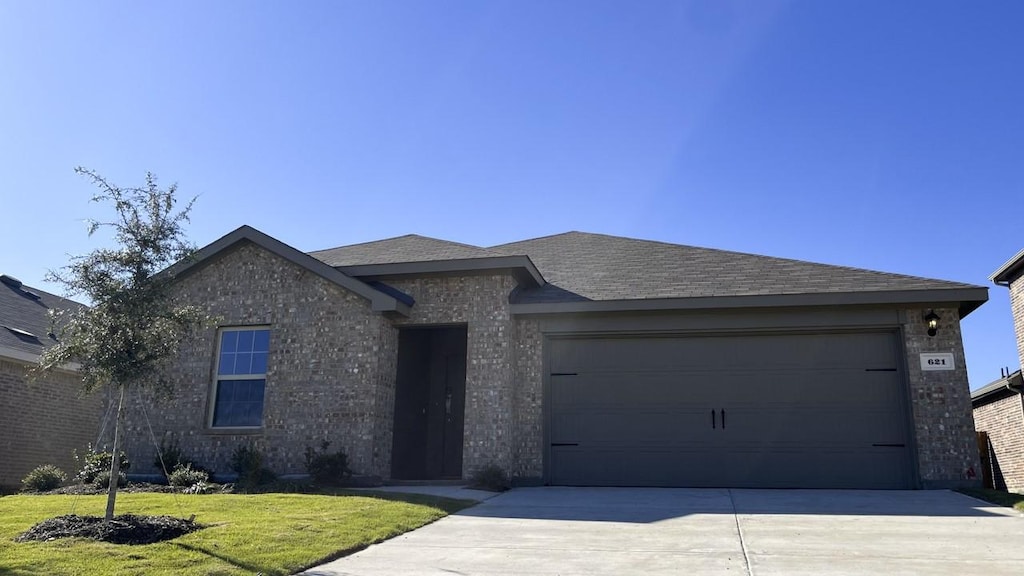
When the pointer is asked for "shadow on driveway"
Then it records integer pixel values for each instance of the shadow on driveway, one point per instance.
(644, 505)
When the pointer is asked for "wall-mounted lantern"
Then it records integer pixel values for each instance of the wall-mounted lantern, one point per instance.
(932, 320)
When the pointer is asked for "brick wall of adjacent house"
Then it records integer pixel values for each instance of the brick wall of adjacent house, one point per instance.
(480, 302)
(330, 369)
(1003, 421)
(43, 421)
(940, 403)
(1017, 308)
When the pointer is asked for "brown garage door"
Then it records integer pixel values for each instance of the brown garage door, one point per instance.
(794, 410)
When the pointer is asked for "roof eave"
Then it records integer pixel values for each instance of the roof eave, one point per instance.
(32, 358)
(520, 267)
(1004, 387)
(966, 300)
(379, 302)
(1010, 270)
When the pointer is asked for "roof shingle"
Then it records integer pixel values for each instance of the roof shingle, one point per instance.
(583, 266)
(408, 248)
(24, 316)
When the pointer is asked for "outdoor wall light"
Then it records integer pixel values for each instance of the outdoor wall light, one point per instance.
(932, 320)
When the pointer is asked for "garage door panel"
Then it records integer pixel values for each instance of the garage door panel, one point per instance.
(650, 428)
(806, 410)
(641, 389)
(819, 351)
(812, 427)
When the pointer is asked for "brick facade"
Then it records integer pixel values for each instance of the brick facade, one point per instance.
(1003, 420)
(43, 421)
(940, 403)
(1017, 308)
(332, 371)
(480, 302)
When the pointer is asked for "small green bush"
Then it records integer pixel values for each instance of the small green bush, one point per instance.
(247, 462)
(43, 478)
(94, 464)
(102, 480)
(491, 477)
(327, 469)
(184, 476)
(170, 457)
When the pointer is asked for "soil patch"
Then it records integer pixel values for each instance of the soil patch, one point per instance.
(124, 529)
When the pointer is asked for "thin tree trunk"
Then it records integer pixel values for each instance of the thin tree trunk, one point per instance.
(115, 461)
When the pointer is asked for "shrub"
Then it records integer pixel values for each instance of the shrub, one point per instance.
(170, 457)
(102, 480)
(43, 478)
(184, 476)
(325, 468)
(94, 464)
(247, 462)
(491, 477)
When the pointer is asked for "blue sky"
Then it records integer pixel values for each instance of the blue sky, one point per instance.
(882, 135)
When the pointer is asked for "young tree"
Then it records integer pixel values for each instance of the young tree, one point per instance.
(132, 328)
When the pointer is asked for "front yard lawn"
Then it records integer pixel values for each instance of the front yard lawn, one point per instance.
(245, 534)
(1008, 499)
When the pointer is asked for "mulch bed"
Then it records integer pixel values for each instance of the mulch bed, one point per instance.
(124, 529)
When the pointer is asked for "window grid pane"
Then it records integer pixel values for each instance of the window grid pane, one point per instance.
(238, 402)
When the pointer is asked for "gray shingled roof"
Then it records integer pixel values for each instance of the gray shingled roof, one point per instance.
(582, 266)
(408, 248)
(24, 317)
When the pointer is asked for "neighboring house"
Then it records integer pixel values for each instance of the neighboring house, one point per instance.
(42, 421)
(999, 406)
(573, 359)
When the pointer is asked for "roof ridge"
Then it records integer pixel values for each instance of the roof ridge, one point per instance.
(397, 238)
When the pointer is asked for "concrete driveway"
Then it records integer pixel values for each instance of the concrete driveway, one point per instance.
(621, 531)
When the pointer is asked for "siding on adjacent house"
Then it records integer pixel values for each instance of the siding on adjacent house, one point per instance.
(1017, 308)
(43, 421)
(1003, 421)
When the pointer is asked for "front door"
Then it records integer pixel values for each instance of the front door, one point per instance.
(430, 397)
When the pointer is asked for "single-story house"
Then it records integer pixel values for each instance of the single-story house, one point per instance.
(572, 359)
(999, 406)
(42, 421)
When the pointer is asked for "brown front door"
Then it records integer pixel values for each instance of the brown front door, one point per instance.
(429, 404)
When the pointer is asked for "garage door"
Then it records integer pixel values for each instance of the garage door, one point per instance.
(795, 410)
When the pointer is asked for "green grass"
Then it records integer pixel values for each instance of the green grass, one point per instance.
(1008, 499)
(246, 533)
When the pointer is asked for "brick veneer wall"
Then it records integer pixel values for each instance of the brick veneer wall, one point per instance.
(528, 447)
(330, 369)
(1003, 420)
(1017, 308)
(480, 302)
(43, 421)
(940, 403)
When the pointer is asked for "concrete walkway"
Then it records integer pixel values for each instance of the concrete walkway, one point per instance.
(651, 531)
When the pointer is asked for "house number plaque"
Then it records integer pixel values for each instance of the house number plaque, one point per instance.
(943, 361)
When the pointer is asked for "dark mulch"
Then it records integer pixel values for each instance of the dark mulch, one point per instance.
(124, 529)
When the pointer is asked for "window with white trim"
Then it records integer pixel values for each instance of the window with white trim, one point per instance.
(241, 377)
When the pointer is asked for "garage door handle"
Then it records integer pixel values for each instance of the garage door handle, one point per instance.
(723, 418)
(889, 445)
(712, 418)
(565, 443)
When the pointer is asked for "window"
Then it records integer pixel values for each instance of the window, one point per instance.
(241, 377)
